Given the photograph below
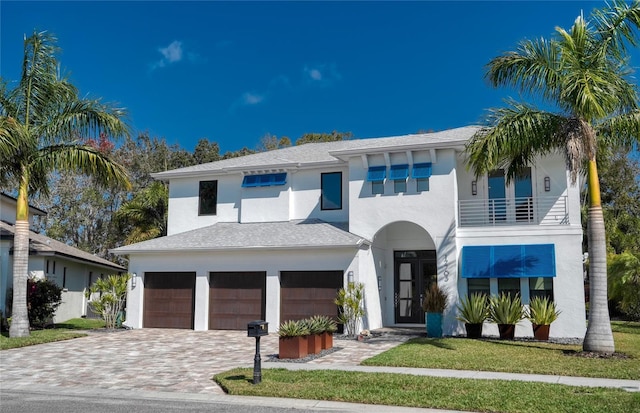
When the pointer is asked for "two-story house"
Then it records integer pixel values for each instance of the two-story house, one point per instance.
(274, 235)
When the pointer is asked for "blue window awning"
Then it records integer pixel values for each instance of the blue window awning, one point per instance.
(421, 170)
(252, 181)
(376, 173)
(399, 172)
(508, 261)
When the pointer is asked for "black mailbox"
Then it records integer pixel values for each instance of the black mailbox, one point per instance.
(258, 328)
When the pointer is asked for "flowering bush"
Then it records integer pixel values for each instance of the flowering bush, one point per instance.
(43, 299)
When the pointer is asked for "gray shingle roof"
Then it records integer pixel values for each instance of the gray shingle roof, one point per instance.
(42, 244)
(297, 234)
(326, 152)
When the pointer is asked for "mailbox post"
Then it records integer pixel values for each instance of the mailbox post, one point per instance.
(257, 329)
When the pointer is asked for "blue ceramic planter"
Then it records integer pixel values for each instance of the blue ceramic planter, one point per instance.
(434, 324)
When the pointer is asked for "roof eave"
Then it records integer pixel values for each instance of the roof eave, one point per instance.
(361, 244)
(346, 153)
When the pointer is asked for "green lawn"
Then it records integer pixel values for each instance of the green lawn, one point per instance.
(429, 392)
(62, 331)
(517, 356)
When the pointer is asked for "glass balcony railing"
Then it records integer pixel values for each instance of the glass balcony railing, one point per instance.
(513, 211)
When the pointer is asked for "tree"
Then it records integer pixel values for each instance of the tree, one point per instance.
(270, 142)
(145, 216)
(43, 121)
(206, 151)
(324, 137)
(584, 74)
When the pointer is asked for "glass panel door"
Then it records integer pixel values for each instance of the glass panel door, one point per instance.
(415, 271)
(497, 196)
(524, 196)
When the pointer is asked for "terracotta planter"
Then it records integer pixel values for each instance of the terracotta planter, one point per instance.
(507, 331)
(293, 347)
(327, 340)
(473, 330)
(434, 324)
(541, 332)
(314, 342)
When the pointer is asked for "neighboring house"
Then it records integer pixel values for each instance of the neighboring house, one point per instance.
(275, 234)
(72, 269)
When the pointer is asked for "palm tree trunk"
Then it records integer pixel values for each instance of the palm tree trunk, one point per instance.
(20, 316)
(599, 337)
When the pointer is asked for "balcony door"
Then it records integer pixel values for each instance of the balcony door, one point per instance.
(520, 207)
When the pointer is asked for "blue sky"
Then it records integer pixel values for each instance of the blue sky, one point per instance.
(233, 72)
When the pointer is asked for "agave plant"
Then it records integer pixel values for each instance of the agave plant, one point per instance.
(506, 309)
(474, 309)
(314, 325)
(327, 324)
(542, 311)
(291, 328)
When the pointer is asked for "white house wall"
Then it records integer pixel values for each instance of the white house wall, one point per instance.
(271, 261)
(267, 204)
(305, 201)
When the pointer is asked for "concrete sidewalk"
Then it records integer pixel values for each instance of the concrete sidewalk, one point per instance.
(628, 385)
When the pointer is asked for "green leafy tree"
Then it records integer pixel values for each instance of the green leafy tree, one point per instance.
(624, 282)
(583, 73)
(206, 151)
(270, 142)
(43, 121)
(107, 297)
(145, 216)
(324, 137)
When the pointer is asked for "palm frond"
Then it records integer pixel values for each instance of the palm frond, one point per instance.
(83, 159)
(615, 26)
(533, 69)
(516, 135)
(620, 130)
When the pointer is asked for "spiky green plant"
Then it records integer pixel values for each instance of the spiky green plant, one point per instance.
(474, 309)
(293, 328)
(505, 309)
(107, 297)
(542, 311)
(314, 325)
(350, 302)
(327, 324)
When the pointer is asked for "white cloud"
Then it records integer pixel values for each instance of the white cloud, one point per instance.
(171, 54)
(252, 98)
(323, 74)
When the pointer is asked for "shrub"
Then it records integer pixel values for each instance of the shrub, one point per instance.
(291, 328)
(43, 299)
(112, 296)
(474, 309)
(542, 311)
(327, 323)
(349, 301)
(505, 309)
(624, 283)
(435, 300)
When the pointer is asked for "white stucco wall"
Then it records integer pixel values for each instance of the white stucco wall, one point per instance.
(267, 204)
(271, 261)
(306, 196)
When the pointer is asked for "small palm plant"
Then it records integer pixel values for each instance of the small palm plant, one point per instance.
(542, 312)
(506, 311)
(112, 294)
(350, 301)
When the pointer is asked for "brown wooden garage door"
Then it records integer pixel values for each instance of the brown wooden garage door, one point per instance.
(169, 299)
(307, 293)
(236, 298)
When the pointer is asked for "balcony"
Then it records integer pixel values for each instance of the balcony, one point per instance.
(513, 211)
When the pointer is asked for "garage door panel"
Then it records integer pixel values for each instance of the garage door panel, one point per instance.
(235, 299)
(169, 300)
(307, 293)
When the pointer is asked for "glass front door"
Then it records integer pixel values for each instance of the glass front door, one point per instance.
(415, 271)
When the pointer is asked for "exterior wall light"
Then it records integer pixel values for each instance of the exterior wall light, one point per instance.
(547, 184)
(474, 188)
(350, 276)
(134, 281)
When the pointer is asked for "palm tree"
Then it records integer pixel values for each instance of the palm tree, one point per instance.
(146, 213)
(42, 124)
(584, 74)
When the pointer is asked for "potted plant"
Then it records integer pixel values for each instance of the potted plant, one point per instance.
(314, 340)
(506, 311)
(329, 326)
(542, 312)
(473, 312)
(434, 304)
(293, 342)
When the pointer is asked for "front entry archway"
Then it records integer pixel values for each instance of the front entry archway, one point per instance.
(415, 272)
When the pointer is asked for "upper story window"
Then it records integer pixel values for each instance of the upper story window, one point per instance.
(398, 175)
(252, 181)
(376, 175)
(331, 189)
(421, 172)
(208, 198)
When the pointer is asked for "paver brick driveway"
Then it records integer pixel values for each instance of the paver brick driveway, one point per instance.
(153, 359)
